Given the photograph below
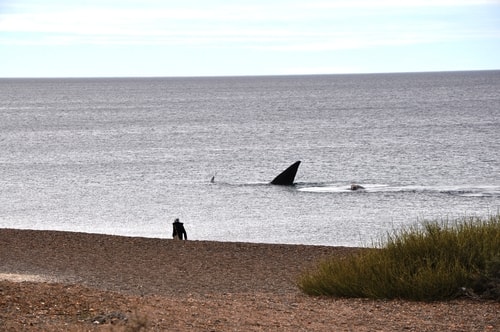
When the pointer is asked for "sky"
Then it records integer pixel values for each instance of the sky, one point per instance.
(131, 38)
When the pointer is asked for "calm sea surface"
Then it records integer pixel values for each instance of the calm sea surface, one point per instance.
(127, 156)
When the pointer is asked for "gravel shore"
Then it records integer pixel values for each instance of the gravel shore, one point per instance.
(62, 281)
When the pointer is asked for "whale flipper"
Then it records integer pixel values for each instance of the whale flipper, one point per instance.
(287, 177)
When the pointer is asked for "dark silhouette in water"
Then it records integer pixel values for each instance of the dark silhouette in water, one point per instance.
(179, 231)
(287, 177)
(356, 186)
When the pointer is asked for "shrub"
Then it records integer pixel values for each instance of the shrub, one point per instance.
(432, 261)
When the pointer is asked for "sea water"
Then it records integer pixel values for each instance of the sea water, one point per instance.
(126, 156)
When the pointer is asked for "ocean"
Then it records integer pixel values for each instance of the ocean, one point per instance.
(126, 156)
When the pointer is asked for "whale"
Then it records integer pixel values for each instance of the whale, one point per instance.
(355, 186)
(287, 177)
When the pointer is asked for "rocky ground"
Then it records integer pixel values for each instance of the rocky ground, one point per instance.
(60, 281)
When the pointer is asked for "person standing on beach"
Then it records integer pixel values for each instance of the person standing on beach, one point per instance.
(179, 232)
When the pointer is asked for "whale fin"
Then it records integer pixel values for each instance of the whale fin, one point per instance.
(287, 177)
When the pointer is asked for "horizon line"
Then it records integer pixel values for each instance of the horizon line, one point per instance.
(251, 75)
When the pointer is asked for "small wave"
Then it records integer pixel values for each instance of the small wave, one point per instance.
(465, 191)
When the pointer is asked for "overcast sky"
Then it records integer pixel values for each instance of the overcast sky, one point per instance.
(61, 38)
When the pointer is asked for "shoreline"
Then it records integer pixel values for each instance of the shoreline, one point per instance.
(81, 281)
(168, 237)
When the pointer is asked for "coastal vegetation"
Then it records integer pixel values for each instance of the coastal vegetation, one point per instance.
(433, 260)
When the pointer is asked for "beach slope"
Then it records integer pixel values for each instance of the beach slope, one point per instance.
(62, 281)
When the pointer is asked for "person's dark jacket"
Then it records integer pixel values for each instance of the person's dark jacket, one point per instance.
(179, 231)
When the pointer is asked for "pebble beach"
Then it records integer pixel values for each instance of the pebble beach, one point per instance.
(60, 281)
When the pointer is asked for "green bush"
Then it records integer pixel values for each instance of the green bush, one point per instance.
(432, 261)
